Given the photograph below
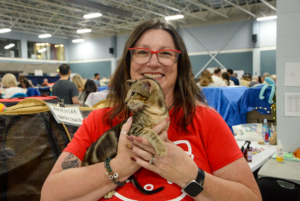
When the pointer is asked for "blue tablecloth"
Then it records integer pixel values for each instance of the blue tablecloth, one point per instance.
(233, 103)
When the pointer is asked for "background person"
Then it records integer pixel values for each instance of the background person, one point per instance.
(216, 78)
(79, 82)
(226, 79)
(224, 178)
(206, 80)
(96, 79)
(89, 87)
(9, 82)
(233, 78)
(63, 88)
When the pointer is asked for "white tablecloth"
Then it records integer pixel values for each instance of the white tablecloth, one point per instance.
(260, 158)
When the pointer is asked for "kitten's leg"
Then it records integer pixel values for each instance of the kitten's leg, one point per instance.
(157, 143)
(109, 194)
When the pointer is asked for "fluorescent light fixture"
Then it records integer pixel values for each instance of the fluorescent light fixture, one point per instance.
(9, 46)
(45, 36)
(174, 17)
(5, 30)
(266, 18)
(42, 50)
(78, 40)
(92, 15)
(84, 30)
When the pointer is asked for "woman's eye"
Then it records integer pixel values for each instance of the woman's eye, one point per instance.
(165, 53)
(142, 52)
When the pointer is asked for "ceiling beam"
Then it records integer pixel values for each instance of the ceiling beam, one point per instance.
(268, 4)
(101, 7)
(202, 5)
(177, 10)
(240, 8)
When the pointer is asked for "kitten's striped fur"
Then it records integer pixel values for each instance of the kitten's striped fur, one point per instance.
(147, 99)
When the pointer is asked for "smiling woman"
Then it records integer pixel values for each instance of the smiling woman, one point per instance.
(155, 50)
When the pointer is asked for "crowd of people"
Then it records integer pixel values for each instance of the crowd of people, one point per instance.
(224, 78)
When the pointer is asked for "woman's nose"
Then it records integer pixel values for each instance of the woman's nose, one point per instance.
(153, 61)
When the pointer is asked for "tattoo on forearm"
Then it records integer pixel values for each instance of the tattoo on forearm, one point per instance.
(71, 161)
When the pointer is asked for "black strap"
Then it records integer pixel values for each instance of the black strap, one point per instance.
(200, 177)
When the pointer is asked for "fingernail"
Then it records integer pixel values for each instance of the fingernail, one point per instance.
(167, 119)
(130, 138)
(129, 119)
(138, 139)
(129, 146)
(132, 158)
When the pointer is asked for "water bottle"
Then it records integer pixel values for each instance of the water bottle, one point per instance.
(265, 131)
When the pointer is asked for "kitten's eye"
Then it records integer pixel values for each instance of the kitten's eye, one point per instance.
(132, 93)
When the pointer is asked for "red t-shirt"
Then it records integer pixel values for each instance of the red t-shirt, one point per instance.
(210, 144)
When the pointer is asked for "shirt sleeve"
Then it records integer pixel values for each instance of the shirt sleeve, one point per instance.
(220, 145)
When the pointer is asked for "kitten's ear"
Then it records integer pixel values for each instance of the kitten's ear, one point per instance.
(132, 81)
(147, 85)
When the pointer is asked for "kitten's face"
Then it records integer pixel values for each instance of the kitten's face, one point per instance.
(138, 94)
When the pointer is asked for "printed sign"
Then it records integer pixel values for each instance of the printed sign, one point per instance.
(67, 115)
(38, 72)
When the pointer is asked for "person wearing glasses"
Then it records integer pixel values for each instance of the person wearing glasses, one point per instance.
(203, 160)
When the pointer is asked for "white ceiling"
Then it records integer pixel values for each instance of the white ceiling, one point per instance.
(62, 18)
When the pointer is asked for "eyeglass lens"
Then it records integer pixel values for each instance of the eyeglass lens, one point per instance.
(142, 56)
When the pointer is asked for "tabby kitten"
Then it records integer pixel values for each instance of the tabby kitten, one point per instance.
(146, 97)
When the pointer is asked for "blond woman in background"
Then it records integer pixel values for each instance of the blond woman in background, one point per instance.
(9, 82)
(79, 82)
(206, 80)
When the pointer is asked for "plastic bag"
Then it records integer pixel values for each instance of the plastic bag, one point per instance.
(251, 132)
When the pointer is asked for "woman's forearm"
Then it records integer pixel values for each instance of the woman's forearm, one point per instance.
(85, 183)
(216, 188)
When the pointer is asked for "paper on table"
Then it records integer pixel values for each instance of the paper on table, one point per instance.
(292, 74)
(292, 104)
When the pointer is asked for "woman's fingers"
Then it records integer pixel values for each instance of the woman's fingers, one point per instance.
(126, 127)
(159, 127)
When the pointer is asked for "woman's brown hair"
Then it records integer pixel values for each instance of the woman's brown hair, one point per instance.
(186, 92)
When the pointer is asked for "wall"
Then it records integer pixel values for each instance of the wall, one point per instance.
(88, 69)
(288, 48)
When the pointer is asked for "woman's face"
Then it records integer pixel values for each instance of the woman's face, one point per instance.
(23, 85)
(166, 75)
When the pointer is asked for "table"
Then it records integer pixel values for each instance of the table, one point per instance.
(259, 159)
(288, 170)
(233, 103)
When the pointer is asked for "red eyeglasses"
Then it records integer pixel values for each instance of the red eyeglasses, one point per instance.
(165, 57)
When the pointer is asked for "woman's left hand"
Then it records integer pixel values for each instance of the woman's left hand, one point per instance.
(176, 167)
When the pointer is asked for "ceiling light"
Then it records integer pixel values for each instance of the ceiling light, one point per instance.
(92, 15)
(42, 50)
(5, 30)
(9, 46)
(84, 30)
(78, 40)
(174, 17)
(45, 36)
(266, 18)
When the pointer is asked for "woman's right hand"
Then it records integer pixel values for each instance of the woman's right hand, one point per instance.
(124, 155)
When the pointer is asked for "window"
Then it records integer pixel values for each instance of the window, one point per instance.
(46, 51)
(10, 48)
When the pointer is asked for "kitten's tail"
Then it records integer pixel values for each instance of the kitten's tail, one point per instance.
(141, 189)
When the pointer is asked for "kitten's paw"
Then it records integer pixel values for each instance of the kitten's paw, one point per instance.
(161, 150)
(109, 194)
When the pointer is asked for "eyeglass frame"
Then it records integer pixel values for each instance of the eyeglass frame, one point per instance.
(153, 52)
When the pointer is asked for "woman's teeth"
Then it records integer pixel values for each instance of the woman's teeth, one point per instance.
(153, 75)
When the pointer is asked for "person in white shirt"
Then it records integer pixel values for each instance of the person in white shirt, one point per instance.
(206, 80)
(10, 83)
(216, 78)
(226, 79)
